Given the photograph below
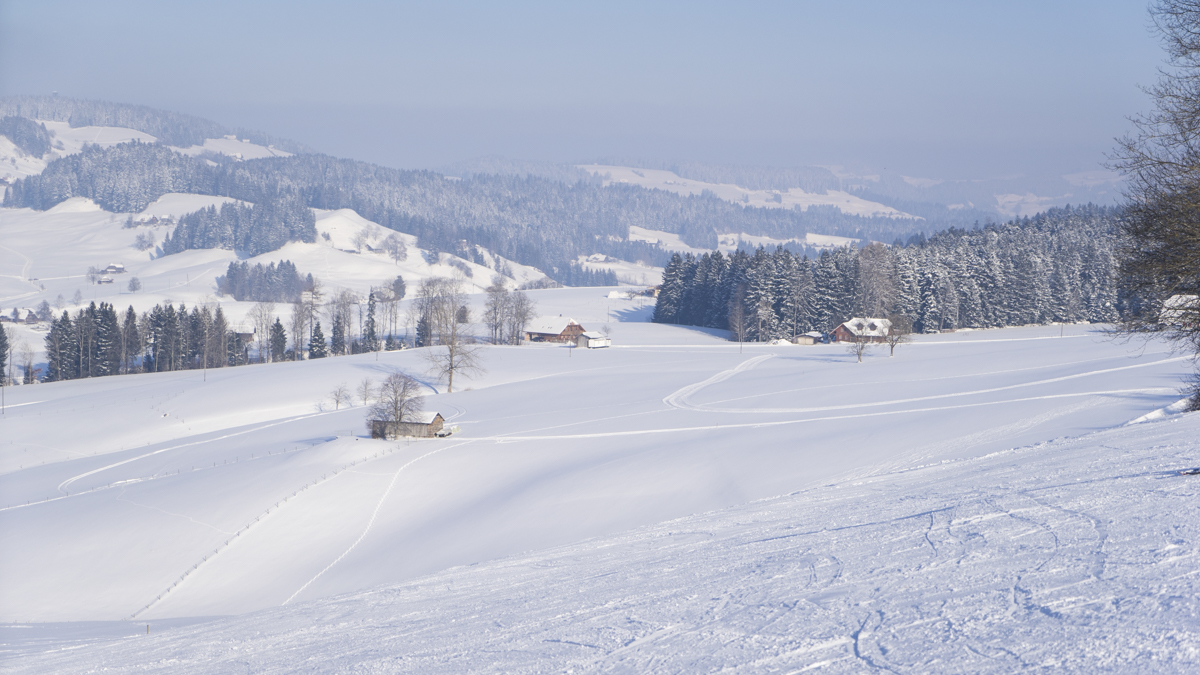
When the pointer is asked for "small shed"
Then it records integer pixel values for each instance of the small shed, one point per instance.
(424, 425)
(592, 340)
(812, 337)
(867, 328)
(105, 280)
(553, 329)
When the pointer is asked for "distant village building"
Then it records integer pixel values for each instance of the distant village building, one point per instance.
(105, 280)
(20, 315)
(868, 328)
(553, 329)
(592, 340)
(426, 425)
(115, 268)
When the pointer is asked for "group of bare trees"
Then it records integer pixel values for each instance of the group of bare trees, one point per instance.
(505, 313)
(442, 317)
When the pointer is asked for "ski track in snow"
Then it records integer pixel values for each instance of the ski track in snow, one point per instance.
(370, 522)
(679, 399)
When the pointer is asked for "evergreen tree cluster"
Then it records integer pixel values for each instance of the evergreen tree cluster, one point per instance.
(253, 230)
(169, 128)
(1057, 266)
(578, 275)
(32, 138)
(259, 283)
(99, 341)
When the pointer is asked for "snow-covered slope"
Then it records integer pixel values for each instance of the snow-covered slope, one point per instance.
(68, 140)
(44, 255)
(794, 198)
(189, 495)
(1070, 556)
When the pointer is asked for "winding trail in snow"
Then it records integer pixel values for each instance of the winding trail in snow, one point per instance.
(62, 487)
(370, 522)
(679, 398)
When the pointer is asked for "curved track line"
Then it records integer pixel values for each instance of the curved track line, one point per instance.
(371, 522)
(67, 482)
(750, 425)
(679, 398)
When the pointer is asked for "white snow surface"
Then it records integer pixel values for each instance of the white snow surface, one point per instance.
(794, 198)
(233, 147)
(44, 254)
(731, 242)
(672, 504)
(66, 140)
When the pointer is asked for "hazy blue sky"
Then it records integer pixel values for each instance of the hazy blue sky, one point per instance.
(935, 89)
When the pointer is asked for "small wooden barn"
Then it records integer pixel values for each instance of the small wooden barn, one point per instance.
(553, 329)
(810, 338)
(592, 340)
(425, 425)
(868, 328)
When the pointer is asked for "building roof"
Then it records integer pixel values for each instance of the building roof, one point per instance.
(868, 326)
(593, 335)
(550, 325)
(425, 417)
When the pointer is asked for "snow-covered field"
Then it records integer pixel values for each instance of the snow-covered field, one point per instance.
(794, 198)
(674, 503)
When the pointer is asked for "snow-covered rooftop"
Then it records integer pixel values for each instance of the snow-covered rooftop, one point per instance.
(868, 326)
(550, 325)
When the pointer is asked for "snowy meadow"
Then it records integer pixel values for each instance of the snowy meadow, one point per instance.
(677, 503)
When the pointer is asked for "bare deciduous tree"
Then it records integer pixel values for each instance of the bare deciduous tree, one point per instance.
(858, 345)
(366, 390)
(340, 395)
(398, 401)
(521, 310)
(496, 308)
(1160, 264)
(443, 305)
(900, 332)
(262, 315)
(299, 328)
(395, 248)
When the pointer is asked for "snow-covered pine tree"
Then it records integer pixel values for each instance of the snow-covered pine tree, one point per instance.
(316, 343)
(278, 340)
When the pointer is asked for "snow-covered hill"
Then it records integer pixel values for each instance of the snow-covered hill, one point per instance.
(45, 255)
(795, 198)
(932, 520)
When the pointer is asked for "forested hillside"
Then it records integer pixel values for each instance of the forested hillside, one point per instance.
(169, 128)
(1058, 266)
(534, 221)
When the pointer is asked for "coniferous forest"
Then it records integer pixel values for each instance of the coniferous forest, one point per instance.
(1056, 267)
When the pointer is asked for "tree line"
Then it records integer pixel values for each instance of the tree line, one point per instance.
(1057, 266)
(263, 283)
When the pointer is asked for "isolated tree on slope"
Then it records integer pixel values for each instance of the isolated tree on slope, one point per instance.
(398, 400)
(278, 341)
(3, 353)
(316, 344)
